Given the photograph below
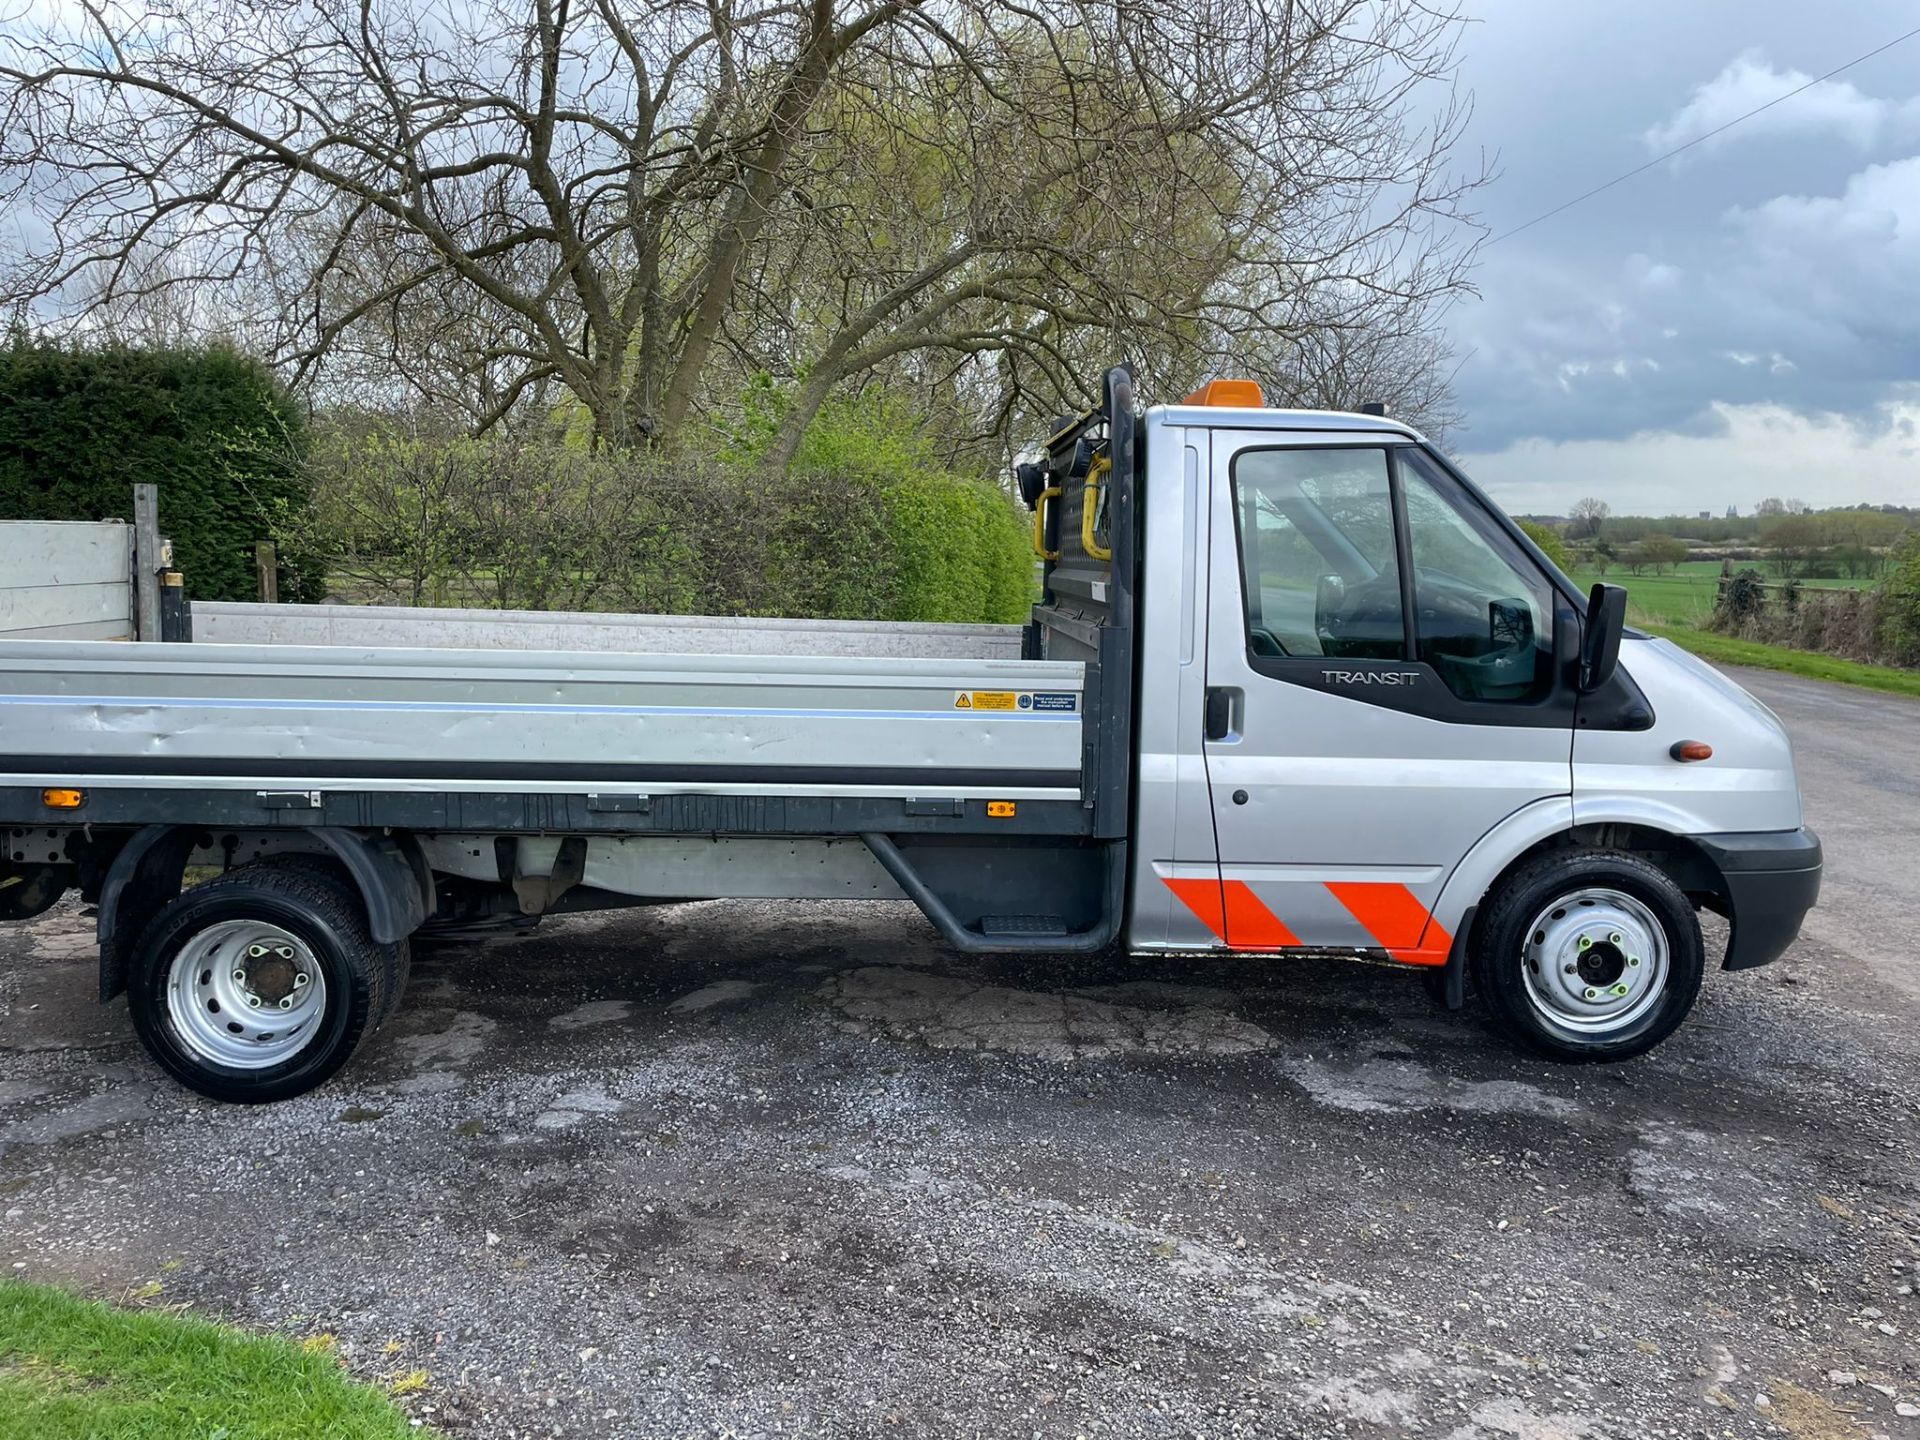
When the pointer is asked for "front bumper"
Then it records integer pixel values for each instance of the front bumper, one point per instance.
(1769, 881)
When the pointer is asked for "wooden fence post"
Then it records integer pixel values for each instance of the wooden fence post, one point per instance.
(266, 565)
(146, 562)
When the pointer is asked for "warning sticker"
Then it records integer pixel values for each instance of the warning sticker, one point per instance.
(1057, 700)
(986, 700)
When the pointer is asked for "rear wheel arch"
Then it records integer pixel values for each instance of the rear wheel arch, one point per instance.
(389, 872)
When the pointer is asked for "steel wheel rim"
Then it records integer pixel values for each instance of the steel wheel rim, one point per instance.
(245, 994)
(1595, 962)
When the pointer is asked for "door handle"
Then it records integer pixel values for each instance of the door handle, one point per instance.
(1219, 717)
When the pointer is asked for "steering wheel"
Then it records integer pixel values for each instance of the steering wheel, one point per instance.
(1361, 622)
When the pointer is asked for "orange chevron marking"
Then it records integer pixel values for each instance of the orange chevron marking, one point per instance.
(1251, 925)
(1203, 898)
(1234, 914)
(1394, 916)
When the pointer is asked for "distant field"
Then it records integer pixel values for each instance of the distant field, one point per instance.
(1684, 596)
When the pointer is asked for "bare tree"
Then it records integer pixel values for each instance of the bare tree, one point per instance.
(1589, 516)
(637, 203)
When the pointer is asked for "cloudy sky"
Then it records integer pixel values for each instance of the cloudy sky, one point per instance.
(1739, 322)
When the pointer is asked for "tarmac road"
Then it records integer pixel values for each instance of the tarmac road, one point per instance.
(766, 1169)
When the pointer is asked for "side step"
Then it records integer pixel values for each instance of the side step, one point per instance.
(1038, 926)
(1010, 932)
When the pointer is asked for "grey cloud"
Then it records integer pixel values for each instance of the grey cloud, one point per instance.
(1780, 266)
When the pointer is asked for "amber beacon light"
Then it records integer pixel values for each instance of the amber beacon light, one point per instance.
(1244, 394)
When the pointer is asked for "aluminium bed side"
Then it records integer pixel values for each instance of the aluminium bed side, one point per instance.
(244, 726)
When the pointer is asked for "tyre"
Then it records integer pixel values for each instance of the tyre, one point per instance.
(397, 959)
(1588, 955)
(257, 986)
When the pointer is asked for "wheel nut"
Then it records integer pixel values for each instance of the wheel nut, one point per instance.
(1586, 941)
(254, 952)
(285, 952)
(1633, 960)
(239, 977)
(253, 1002)
(300, 976)
(1617, 990)
(286, 1002)
(1592, 994)
(1615, 938)
(1573, 969)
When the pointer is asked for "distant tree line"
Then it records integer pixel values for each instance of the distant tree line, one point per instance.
(1765, 560)
(1788, 537)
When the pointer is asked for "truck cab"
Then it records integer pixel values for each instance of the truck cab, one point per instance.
(1373, 719)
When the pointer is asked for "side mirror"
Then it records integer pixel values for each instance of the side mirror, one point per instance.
(1600, 637)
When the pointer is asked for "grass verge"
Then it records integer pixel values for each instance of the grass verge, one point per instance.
(74, 1370)
(1729, 651)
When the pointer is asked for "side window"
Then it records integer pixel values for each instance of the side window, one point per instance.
(1483, 615)
(1317, 560)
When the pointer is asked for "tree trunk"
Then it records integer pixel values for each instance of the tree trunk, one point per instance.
(807, 401)
(747, 212)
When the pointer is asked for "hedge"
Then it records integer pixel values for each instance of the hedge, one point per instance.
(211, 428)
(405, 518)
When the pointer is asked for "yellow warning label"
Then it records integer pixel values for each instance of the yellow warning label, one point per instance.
(986, 700)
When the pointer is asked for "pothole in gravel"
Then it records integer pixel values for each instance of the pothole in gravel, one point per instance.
(97, 1112)
(594, 1012)
(465, 1035)
(949, 1013)
(62, 934)
(1384, 1086)
(1734, 1182)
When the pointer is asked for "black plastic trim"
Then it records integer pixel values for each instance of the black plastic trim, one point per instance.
(1453, 976)
(1770, 880)
(216, 809)
(285, 773)
(1424, 694)
(389, 885)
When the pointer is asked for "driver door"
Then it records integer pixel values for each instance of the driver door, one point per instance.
(1384, 688)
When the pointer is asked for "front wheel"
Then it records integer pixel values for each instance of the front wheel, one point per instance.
(1589, 955)
(257, 986)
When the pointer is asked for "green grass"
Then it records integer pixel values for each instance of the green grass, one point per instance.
(74, 1370)
(1685, 595)
(1678, 606)
(1729, 651)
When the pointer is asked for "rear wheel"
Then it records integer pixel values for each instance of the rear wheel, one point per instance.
(257, 986)
(1589, 955)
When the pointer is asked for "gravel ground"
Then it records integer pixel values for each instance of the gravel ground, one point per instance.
(758, 1169)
